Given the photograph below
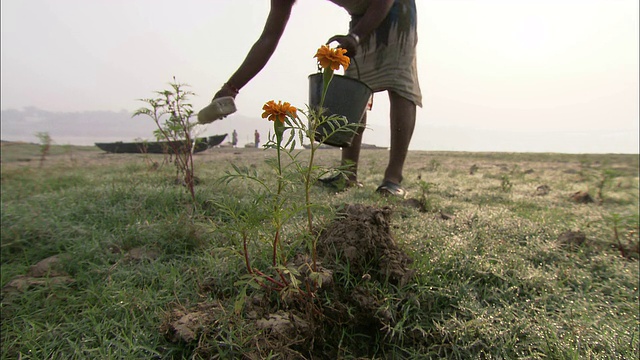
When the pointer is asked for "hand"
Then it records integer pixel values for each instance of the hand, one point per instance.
(225, 90)
(346, 42)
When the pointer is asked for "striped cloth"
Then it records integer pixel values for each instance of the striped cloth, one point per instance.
(386, 59)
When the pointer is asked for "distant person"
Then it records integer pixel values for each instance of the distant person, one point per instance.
(256, 137)
(234, 138)
(382, 40)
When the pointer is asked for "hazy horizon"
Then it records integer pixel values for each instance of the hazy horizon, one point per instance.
(111, 126)
(496, 75)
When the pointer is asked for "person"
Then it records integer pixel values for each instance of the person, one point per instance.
(234, 138)
(382, 40)
(256, 137)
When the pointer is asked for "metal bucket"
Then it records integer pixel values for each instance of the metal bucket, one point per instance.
(346, 97)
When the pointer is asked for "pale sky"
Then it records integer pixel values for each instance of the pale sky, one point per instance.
(550, 71)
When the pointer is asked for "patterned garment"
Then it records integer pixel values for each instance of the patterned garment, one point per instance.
(386, 59)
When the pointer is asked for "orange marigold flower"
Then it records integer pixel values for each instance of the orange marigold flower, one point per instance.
(278, 111)
(332, 58)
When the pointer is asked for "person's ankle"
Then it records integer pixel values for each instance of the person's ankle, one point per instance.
(392, 180)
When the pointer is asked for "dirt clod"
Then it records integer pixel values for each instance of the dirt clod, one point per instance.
(284, 324)
(445, 216)
(186, 325)
(22, 283)
(542, 190)
(51, 267)
(572, 238)
(582, 197)
(414, 203)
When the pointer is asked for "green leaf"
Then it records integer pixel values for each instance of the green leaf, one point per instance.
(241, 300)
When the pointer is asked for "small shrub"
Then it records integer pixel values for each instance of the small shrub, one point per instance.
(505, 183)
(45, 145)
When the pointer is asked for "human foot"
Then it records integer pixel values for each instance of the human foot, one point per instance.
(391, 189)
(340, 182)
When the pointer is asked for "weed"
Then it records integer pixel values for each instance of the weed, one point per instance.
(505, 183)
(606, 178)
(68, 149)
(434, 165)
(45, 145)
(426, 201)
(629, 226)
(171, 113)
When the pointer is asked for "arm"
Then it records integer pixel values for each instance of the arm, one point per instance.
(262, 50)
(371, 19)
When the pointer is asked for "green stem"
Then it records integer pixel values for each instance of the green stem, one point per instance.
(314, 255)
(276, 209)
(307, 190)
(327, 75)
(276, 238)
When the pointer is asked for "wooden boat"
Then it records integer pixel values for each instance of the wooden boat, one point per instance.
(159, 147)
(372, 146)
(216, 140)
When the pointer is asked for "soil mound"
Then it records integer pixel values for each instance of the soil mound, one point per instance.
(360, 236)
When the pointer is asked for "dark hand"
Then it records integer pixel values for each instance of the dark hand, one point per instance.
(225, 90)
(346, 42)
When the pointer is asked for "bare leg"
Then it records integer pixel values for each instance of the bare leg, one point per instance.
(351, 154)
(403, 121)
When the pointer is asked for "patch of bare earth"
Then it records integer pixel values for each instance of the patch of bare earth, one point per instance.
(44, 273)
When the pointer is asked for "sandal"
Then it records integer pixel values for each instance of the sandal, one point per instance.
(217, 109)
(340, 182)
(391, 189)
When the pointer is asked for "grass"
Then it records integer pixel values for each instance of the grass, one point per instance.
(493, 282)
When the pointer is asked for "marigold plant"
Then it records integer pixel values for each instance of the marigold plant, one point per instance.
(289, 130)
